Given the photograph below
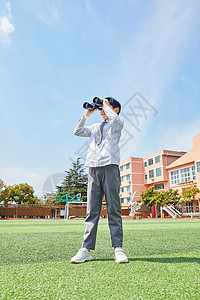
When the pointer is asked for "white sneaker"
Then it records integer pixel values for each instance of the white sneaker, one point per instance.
(120, 256)
(82, 255)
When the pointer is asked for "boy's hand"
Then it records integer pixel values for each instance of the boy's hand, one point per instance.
(105, 102)
(89, 112)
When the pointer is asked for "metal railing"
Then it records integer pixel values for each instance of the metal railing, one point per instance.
(172, 211)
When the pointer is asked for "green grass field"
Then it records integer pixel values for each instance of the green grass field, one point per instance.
(164, 261)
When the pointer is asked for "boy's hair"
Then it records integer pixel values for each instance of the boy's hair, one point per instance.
(114, 103)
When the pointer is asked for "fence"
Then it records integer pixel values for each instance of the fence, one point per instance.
(48, 211)
(30, 211)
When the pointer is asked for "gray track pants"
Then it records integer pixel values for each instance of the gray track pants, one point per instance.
(103, 180)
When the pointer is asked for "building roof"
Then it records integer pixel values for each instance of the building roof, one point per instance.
(166, 152)
(184, 159)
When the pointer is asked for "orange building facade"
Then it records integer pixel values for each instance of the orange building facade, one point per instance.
(132, 179)
(184, 173)
(164, 170)
(155, 172)
(132, 182)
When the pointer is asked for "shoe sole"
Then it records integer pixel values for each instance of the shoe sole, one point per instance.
(80, 262)
(121, 261)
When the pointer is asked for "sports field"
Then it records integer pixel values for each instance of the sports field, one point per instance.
(164, 261)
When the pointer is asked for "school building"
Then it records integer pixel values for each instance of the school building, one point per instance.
(164, 170)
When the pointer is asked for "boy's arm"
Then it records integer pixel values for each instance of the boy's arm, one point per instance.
(113, 117)
(81, 129)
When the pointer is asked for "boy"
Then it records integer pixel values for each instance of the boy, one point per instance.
(103, 159)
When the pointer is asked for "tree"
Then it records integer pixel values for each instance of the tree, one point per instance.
(188, 195)
(20, 193)
(75, 181)
(151, 197)
(5, 194)
(148, 196)
(160, 198)
(49, 201)
(36, 200)
(23, 193)
(2, 185)
(173, 196)
(2, 191)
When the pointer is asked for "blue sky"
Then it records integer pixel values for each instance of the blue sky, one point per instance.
(57, 54)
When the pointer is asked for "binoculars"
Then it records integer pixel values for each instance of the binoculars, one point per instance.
(96, 104)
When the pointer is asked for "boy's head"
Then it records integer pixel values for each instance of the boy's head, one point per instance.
(114, 103)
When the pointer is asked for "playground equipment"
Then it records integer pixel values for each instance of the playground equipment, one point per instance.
(67, 198)
(172, 211)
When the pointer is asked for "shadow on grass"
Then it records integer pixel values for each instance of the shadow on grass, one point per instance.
(103, 259)
(167, 260)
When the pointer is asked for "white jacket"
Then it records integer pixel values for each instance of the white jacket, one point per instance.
(107, 152)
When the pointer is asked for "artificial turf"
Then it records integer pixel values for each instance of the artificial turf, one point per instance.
(164, 261)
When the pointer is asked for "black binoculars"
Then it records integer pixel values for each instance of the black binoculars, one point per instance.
(96, 104)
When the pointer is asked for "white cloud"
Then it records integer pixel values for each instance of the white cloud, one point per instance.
(6, 27)
(9, 9)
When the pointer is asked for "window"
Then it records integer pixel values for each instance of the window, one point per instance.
(128, 188)
(151, 174)
(174, 177)
(122, 179)
(128, 177)
(128, 166)
(122, 200)
(185, 174)
(157, 159)
(158, 172)
(145, 176)
(128, 199)
(187, 207)
(198, 166)
(193, 173)
(122, 189)
(145, 164)
(159, 186)
(197, 206)
(150, 161)
(179, 207)
(121, 168)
